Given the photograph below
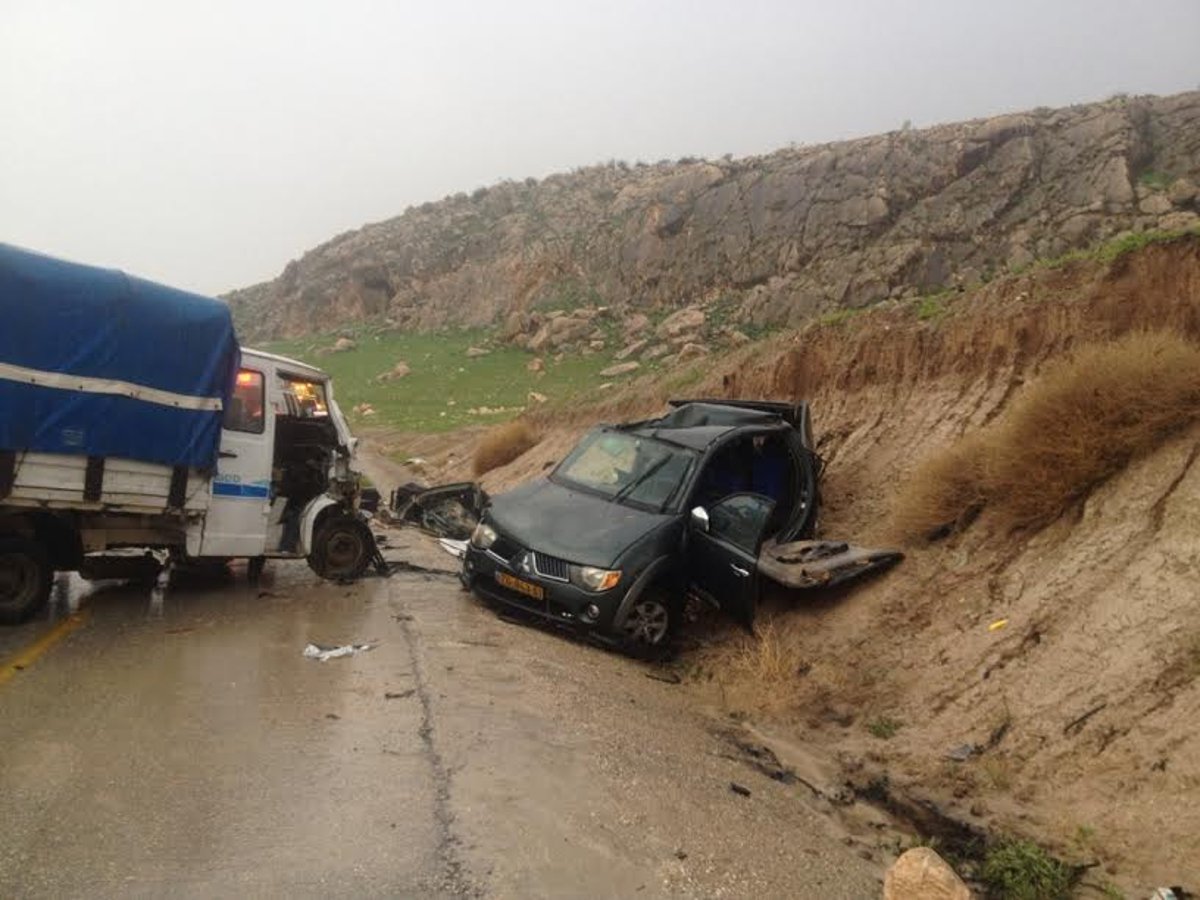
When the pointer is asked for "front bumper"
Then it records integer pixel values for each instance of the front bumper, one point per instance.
(563, 603)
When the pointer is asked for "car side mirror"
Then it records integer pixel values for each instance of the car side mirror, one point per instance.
(700, 519)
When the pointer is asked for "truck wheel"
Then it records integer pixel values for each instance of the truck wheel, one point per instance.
(25, 578)
(342, 549)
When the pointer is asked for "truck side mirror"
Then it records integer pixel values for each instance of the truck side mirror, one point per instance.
(700, 519)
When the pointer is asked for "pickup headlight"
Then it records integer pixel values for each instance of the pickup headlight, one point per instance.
(592, 579)
(483, 536)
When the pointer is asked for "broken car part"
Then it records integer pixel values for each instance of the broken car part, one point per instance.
(448, 510)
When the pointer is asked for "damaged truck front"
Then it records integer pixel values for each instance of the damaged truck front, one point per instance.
(131, 420)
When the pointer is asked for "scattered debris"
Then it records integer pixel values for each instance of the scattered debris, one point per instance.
(821, 564)
(681, 854)
(666, 678)
(449, 510)
(962, 752)
(473, 352)
(333, 716)
(399, 695)
(322, 653)
(457, 549)
(998, 624)
(740, 790)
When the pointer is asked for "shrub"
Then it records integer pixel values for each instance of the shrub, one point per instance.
(1021, 870)
(1077, 425)
(884, 727)
(502, 445)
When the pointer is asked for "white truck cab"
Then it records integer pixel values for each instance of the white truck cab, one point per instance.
(285, 457)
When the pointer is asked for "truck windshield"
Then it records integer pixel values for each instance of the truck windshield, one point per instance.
(626, 468)
(304, 399)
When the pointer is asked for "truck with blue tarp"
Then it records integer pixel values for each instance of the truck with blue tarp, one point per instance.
(131, 420)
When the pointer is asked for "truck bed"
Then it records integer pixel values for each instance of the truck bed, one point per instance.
(57, 481)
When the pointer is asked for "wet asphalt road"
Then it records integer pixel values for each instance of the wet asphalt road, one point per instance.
(199, 753)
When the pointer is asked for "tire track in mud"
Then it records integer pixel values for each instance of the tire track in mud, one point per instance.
(455, 879)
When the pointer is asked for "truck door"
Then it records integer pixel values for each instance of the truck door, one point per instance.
(236, 523)
(723, 545)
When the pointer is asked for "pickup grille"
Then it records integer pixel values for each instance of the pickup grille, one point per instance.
(550, 567)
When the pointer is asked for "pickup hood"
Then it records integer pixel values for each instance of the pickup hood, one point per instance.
(572, 525)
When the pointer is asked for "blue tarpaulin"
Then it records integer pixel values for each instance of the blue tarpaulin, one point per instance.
(97, 363)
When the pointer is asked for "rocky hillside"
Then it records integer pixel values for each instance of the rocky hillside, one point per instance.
(771, 240)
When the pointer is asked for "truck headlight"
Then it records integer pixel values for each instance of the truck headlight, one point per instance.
(592, 579)
(483, 536)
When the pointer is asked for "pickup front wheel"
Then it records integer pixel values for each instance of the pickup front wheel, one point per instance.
(25, 578)
(342, 549)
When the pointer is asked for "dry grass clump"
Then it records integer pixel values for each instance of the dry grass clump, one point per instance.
(502, 445)
(760, 672)
(1077, 425)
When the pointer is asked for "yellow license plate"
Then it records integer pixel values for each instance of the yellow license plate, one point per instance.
(521, 587)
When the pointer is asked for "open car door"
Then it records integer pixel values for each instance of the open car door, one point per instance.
(723, 545)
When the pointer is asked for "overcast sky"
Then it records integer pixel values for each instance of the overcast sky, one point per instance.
(207, 143)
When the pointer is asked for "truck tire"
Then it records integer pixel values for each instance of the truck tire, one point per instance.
(25, 579)
(342, 549)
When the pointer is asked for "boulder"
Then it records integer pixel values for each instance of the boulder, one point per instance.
(635, 325)
(920, 874)
(685, 337)
(596, 345)
(540, 340)
(620, 369)
(1179, 221)
(691, 351)
(681, 322)
(342, 344)
(737, 338)
(537, 364)
(656, 351)
(399, 370)
(560, 331)
(473, 352)
(1183, 192)
(535, 397)
(516, 323)
(1155, 205)
(628, 351)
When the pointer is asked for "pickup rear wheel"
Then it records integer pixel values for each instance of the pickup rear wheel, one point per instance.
(25, 579)
(342, 548)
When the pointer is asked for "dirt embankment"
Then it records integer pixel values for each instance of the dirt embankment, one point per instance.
(1062, 665)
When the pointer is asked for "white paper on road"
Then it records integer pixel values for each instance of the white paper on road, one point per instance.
(316, 651)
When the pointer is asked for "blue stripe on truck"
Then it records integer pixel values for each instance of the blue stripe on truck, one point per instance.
(233, 489)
